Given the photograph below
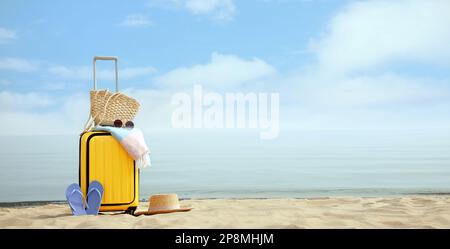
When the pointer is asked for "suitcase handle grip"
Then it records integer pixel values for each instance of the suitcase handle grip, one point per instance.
(107, 58)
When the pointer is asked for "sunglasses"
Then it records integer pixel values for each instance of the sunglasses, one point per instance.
(118, 123)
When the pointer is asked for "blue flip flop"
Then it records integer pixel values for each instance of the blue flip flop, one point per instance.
(75, 199)
(94, 198)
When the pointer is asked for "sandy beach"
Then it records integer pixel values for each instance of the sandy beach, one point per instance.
(343, 212)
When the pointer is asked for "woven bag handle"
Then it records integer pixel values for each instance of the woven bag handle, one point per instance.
(107, 58)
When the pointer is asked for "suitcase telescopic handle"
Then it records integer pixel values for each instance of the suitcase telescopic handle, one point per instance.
(107, 58)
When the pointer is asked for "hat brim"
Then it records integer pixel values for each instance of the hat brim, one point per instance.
(162, 211)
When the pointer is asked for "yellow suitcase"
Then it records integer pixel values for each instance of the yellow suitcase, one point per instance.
(102, 158)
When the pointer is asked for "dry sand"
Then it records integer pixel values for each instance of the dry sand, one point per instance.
(345, 212)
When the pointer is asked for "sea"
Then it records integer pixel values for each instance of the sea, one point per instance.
(238, 164)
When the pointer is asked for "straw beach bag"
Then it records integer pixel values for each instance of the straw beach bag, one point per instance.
(106, 106)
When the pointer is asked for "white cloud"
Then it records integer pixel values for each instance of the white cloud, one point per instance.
(86, 73)
(221, 71)
(17, 64)
(55, 122)
(136, 20)
(368, 34)
(54, 86)
(352, 84)
(23, 101)
(384, 101)
(56, 115)
(156, 109)
(134, 72)
(359, 92)
(7, 35)
(29, 123)
(71, 72)
(219, 10)
(5, 82)
(35, 113)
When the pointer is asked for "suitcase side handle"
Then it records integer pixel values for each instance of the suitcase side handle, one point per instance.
(107, 58)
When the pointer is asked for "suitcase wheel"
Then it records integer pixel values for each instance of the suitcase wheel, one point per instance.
(131, 210)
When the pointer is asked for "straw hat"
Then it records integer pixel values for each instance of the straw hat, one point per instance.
(162, 204)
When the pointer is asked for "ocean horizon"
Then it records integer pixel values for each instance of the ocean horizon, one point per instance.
(198, 164)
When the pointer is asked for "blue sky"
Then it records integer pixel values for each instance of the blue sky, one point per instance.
(336, 64)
